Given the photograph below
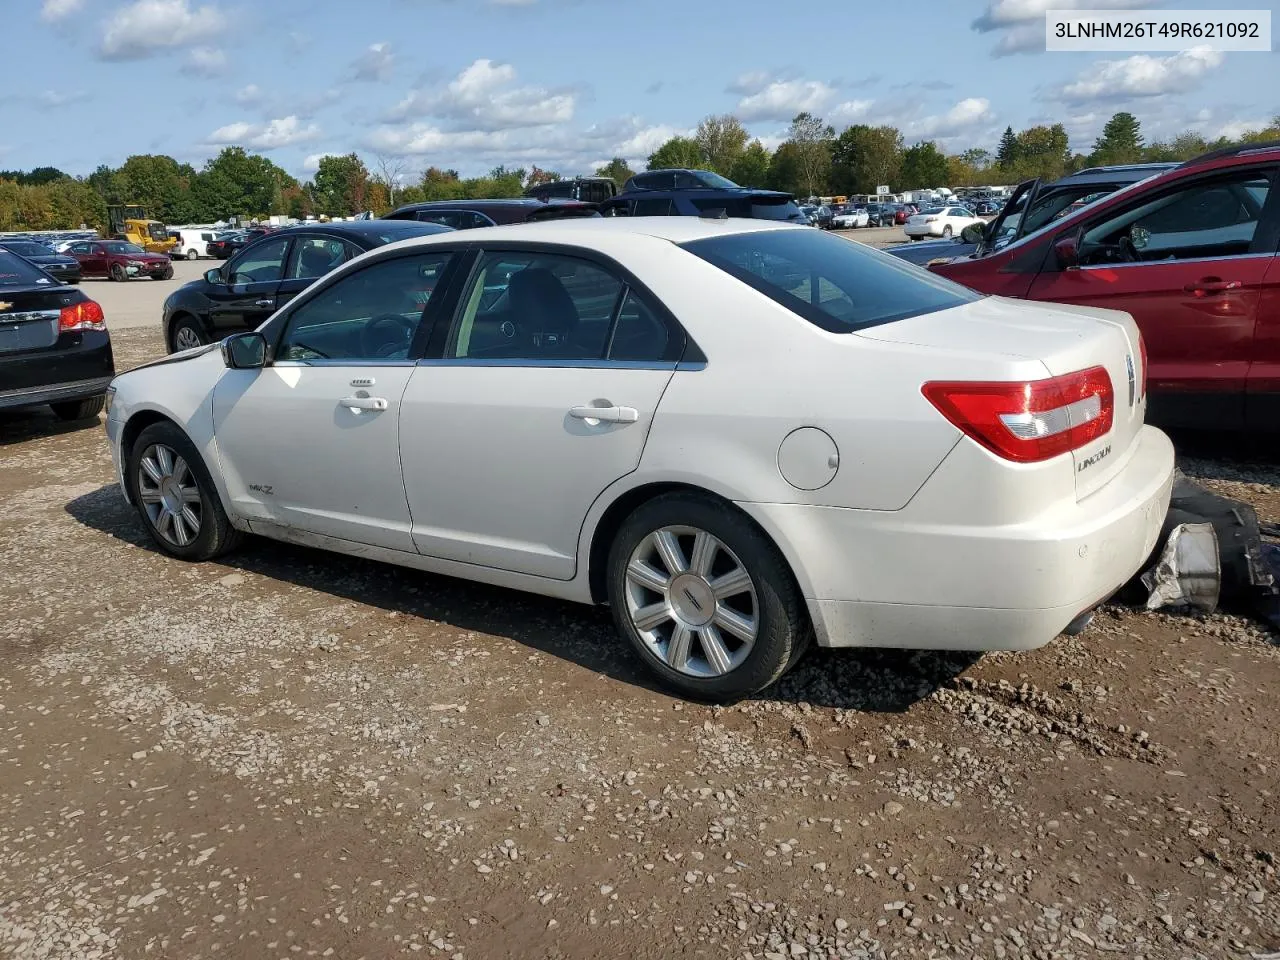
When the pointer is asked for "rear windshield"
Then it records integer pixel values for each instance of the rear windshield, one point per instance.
(837, 284)
(16, 272)
(752, 208)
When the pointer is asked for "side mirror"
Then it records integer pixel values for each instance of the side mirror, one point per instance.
(1066, 250)
(213, 276)
(973, 233)
(245, 351)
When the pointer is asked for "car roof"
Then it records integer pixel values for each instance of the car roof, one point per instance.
(519, 202)
(364, 229)
(586, 230)
(699, 193)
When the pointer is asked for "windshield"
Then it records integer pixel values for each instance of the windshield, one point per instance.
(16, 272)
(26, 248)
(833, 283)
(119, 246)
(158, 231)
(715, 180)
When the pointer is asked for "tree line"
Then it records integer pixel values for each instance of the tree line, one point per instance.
(812, 161)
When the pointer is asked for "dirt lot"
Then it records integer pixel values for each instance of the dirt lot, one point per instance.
(298, 754)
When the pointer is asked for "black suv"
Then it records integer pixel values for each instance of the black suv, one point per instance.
(698, 193)
(270, 272)
(586, 189)
(1046, 202)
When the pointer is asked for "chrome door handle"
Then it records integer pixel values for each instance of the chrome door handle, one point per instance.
(358, 404)
(605, 414)
(264, 303)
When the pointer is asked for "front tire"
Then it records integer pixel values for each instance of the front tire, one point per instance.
(79, 409)
(946, 232)
(705, 598)
(192, 255)
(118, 273)
(187, 334)
(175, 496)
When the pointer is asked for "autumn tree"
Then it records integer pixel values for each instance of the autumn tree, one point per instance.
(812, 137)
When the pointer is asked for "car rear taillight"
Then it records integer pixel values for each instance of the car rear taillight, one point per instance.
(1031, 420)
(82, 316)
(1142, 376)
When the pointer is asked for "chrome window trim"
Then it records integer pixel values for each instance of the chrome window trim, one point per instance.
(1173, 260)
(342, 362)
(550, 363)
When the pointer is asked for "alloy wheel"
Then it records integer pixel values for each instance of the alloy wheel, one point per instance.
(169, 495)
(185, 338)
(692, 601)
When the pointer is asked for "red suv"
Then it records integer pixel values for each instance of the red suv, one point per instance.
(1192, 255)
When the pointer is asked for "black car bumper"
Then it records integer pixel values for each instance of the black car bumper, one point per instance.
(80, 365)
(67, 273)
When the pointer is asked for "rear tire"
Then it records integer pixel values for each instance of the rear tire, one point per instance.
(117, 273)
(946, 232)
(203, 531)
(79, 409)
(735, 618)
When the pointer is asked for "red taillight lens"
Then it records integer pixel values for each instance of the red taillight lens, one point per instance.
(1033, 420)
(1142, 355)
(82, 316)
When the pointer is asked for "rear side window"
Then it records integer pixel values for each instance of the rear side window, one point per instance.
(834, 283)
(15, 271)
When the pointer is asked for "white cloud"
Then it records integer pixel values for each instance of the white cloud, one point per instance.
(247, 96)
(55, 98)
(1235, 129)
(776, 98)
(207, 61)
(312, 163)
(1022, 21)
(1141, 76)
(51, 11)
(969, 114)
(851, 111)
(482, 97)
(145, 27)
(282, 132)
(374, 64)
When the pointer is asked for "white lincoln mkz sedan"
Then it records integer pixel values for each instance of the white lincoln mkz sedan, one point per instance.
(740, 435)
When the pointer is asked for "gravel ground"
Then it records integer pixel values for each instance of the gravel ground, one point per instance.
(297, 754)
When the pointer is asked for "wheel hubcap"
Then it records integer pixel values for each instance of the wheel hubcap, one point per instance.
(186, 338)
(169, 495)
(692, 601)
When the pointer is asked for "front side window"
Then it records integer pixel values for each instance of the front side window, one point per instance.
(536, 306)
(261, 263)
(314, 257)
(372, 313)
(1209, 218)
(831, 282)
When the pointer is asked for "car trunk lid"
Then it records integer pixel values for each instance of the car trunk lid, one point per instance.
(1065, 340)
(29, 318)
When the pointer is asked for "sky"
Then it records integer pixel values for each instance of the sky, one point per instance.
(566, 84)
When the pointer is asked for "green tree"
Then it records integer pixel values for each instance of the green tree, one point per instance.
(1121, 141)
(107, 183)
(864, 157)
(236, 183)
(75, 203)
(722, 140)
(161, 185)
(1007, 152)
(923, 165)
(785, 172)
(812, 137)
(1042, 152)
(617, 170)
(36, 177)
(341, 185)
(676, 152)
(440, 184)
(1184, 146)
(751, 169)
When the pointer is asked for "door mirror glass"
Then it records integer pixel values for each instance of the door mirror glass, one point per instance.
(972, 233)
(245, 351)
(213, 276)
(1067, 251)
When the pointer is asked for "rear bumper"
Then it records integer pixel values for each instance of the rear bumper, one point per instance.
(79, 365)
(916, 578)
